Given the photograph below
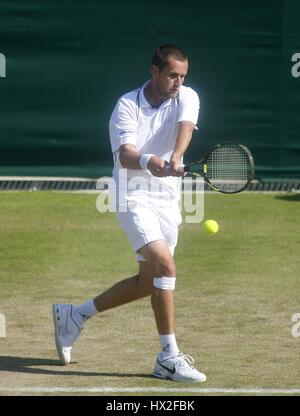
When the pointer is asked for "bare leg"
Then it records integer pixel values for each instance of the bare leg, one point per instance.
(161, 263)
(126, 290)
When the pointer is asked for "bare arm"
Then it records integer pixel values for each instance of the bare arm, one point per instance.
(182, 143)
(129, 156)
(130, 159)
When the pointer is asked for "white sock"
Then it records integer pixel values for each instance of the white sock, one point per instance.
(85, 311)
(169, 345)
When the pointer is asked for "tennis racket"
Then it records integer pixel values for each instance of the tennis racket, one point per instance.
(227, 168)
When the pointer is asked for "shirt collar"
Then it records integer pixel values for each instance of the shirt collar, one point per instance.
(143, 101)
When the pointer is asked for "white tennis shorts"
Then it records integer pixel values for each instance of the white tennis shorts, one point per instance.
(146, 222)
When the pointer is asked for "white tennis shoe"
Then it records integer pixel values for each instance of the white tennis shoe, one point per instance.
(177, 368)
(67, 330)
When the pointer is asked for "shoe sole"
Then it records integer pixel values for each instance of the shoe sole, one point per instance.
(166, 376)
(58, 346)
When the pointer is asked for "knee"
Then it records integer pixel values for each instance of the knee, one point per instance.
(165, 266)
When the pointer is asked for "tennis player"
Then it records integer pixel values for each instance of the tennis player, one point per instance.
(150, 130)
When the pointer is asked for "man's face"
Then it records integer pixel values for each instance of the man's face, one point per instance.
(169, 80)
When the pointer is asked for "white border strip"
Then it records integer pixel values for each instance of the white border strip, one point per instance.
(146, 390)
(47, 178)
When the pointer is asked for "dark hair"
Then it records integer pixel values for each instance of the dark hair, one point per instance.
(164, 52)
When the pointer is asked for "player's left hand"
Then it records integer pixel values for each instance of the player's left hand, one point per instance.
(176, 167)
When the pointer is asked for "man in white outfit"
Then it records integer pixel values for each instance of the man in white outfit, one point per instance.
(150, 130)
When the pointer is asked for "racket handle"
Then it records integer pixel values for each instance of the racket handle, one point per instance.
(167, 169)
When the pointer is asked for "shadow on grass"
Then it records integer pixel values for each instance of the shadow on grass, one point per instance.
(27, 364)
(289, 197)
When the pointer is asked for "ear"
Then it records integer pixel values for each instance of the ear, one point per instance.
(154, 71)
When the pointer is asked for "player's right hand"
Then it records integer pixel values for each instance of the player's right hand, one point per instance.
(159, 167)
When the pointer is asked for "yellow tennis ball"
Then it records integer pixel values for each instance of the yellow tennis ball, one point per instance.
(211, 227)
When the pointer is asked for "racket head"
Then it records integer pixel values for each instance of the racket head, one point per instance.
(227, 168)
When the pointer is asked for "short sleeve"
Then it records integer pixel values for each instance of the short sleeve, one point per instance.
(123, 124)
(189, 105)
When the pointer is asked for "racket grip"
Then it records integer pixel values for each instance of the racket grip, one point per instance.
(167, 169)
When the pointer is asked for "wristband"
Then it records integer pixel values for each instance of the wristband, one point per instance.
(144, 160)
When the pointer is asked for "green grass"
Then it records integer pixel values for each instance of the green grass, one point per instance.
(235, 296)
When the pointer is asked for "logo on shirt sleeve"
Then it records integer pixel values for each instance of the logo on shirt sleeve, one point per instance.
(124, 133)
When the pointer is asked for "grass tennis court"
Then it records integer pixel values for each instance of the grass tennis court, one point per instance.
(235, 296)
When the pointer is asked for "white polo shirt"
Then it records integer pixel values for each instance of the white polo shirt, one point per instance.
(151, 130)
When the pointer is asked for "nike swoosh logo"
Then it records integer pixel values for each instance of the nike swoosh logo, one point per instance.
(171, 370)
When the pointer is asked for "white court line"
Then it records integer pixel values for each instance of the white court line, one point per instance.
(146, 390)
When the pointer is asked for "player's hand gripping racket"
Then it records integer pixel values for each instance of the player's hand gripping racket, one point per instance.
(227, 168)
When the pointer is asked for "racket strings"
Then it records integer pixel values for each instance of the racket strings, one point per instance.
(229, 168)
